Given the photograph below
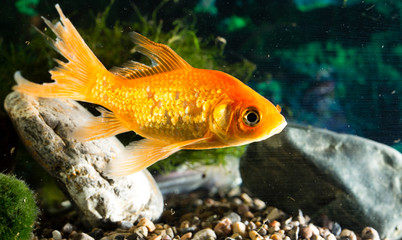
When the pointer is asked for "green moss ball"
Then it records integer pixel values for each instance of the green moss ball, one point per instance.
(18, 209)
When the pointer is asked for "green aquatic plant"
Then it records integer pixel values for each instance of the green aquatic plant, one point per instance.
(234, 23)
(18, 209)
(194, 157)
(206, 6)
(27, 7)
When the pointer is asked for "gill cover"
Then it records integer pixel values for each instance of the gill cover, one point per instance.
(221, 118)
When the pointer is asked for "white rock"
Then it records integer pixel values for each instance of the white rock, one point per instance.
(44, 126)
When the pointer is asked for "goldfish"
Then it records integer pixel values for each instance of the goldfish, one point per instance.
(171, 104)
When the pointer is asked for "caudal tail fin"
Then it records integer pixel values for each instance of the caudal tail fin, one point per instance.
(72, 78)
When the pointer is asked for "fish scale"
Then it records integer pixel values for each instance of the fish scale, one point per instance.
(150, 103)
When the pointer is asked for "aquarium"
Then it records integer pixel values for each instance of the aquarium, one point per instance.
(202, 119)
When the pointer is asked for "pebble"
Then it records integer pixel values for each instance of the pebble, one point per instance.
(169, 232)
(81, 236)
(240, 228)
(317, 237)
(224, 227)
(249, 215)
(186, 236)
(142, 230)
(166, 237)
(243, 209)
(276, 237)
(347, 234)
(135, 236)
(56, 235)
(369, 233)
(254, 235)
(188, 229)
(336, 229)
(155, 237)
(147, 223)
(205, 234)
(234, 217)
(160, 232)
(306, 232)
(67, 228)
(330, 237)
(246, 198)
(274, 226)
(314, 229)
(259, 204)
(262, 231)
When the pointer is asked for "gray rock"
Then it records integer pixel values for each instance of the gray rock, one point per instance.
(355, 181)
(44, 126)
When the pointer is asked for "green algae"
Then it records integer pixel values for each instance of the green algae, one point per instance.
(18, 209)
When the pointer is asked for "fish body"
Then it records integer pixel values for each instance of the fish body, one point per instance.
(171, 104)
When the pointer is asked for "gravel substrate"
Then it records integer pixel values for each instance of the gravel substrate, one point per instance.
(195, 217)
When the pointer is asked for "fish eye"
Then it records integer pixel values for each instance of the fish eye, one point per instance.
(251, 117)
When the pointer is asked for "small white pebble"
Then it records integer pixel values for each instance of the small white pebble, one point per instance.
(347, 234)
(56, 235)
(246, 198)
(369, 233)
(239, 228)
(330, 237)
(67, 228)
(314, 229)
(259, 204)
(204, 234)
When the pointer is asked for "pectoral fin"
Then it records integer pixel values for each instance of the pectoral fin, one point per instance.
(106, 125)
(143, 153)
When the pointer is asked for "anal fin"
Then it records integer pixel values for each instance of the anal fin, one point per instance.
(106, 125)
(141, 154)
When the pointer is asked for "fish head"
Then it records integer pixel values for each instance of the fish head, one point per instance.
(246, 118)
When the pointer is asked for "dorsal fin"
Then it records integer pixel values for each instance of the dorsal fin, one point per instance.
(162, 57)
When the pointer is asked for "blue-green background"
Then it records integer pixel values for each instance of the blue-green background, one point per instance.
(334, 64)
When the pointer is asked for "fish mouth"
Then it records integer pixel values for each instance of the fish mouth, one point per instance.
(278, 129)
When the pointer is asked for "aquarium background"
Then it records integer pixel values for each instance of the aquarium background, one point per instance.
(333, 64)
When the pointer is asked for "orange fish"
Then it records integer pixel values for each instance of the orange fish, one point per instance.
(171, 104)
